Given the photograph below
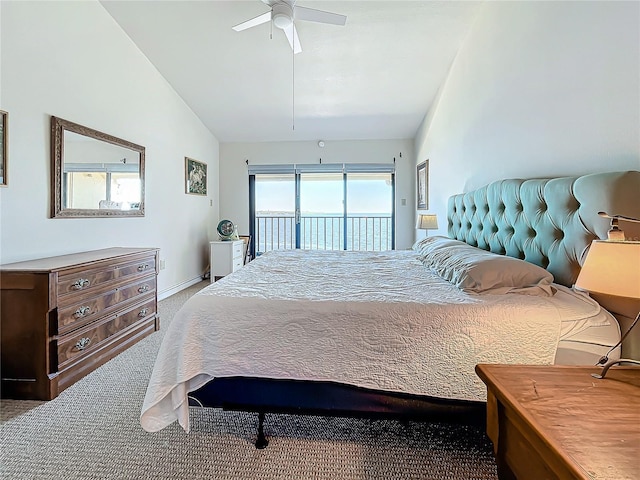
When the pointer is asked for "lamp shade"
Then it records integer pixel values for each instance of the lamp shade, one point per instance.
(611, 268)
(427, 222)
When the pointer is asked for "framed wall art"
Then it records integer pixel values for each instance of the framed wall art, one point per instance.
(4, 125)
(195, 176)
(422, 175)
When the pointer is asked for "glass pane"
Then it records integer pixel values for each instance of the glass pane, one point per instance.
(321, 211)
(112, 170)
(369, 209)
(85, 189)
(275, 197)
(125, 190)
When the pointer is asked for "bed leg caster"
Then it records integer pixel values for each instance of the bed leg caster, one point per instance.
(262, 441)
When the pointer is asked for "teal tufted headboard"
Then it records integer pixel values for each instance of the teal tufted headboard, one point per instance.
(548, 222)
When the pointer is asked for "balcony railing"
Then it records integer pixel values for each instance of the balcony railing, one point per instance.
(371, 233)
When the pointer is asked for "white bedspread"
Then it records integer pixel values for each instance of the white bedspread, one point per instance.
(375, 320)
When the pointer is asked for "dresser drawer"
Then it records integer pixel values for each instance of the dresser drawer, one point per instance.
(238, 250)
(89, 309)
(85, 280)
(73, 346)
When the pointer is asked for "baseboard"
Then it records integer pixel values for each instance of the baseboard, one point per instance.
(173, 290)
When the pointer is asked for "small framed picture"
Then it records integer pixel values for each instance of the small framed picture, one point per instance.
(423, 179)
(195, 173)
(4, 125)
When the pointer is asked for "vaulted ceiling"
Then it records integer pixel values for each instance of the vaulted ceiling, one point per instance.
(374, 78)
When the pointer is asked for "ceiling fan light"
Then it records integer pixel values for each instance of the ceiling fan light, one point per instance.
(282, 15)
(281, 21)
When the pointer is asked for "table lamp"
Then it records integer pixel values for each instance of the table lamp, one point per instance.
(612, 268)
(615, 233)
(428, 221)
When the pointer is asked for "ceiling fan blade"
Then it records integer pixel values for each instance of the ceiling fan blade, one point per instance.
(313, 15)
(292, 36)
(260, 19)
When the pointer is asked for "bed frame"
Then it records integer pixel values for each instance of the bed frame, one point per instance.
(549, 222)
(298, 397)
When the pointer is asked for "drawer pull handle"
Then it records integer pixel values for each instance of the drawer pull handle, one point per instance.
(143, 288)
(143, 313)
(82, 312)
(83, 343)
(142, 268)
(80, 284)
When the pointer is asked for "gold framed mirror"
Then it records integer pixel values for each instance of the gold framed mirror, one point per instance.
(94, 174)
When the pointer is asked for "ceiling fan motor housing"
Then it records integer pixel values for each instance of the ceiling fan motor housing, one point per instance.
(282, 15)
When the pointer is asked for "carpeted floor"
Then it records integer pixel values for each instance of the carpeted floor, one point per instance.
(91, 431)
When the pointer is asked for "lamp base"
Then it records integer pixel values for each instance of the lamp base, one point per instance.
(610, 364)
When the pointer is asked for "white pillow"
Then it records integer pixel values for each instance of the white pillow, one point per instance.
(435, 242)
(475, 270)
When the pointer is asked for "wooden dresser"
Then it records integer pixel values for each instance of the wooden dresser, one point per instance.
(558, 422)
(62, 317)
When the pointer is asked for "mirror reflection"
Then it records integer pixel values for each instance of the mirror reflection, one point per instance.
(99, 175)
(95, 174)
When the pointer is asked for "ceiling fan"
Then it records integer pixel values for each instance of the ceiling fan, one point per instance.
(283, 15)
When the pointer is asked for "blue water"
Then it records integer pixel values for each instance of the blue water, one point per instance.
(324, 232)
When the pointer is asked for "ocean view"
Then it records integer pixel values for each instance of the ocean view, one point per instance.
(318, 231)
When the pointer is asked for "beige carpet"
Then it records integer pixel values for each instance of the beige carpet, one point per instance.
(91, 431)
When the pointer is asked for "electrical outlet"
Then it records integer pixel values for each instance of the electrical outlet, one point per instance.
(211, 203)
(162, 264)
(403, 202)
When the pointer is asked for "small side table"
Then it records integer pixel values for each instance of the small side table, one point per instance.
(558, 422)
(225, 257)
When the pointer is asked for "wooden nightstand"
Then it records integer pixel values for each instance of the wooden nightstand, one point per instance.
(558, 422)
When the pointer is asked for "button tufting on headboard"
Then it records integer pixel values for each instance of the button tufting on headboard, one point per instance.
(549, 222)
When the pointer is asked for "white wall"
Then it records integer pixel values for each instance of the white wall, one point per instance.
(71, 60)
(538, 89)
(234, 180)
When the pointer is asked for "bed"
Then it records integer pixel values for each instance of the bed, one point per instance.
(399, 333)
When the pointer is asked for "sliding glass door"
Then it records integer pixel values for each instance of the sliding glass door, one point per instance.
(369, 211)
(273, 211)
(321, 211)
(332, 207)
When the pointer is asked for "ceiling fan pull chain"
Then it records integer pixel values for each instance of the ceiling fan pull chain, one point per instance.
(293, 87)
(293, 73)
